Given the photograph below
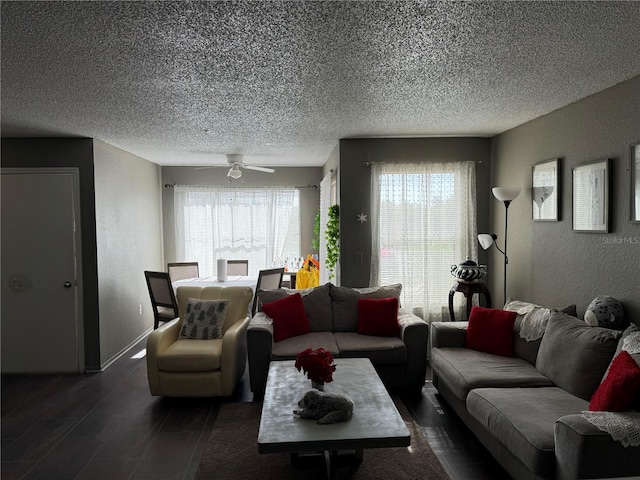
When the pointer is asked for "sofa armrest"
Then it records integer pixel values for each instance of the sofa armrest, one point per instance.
(234, 355)
(259, 346)
(415, 334)
(584, 451)
(157, 342)
(448, 334)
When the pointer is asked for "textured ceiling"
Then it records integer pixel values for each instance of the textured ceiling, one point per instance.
(183, 83)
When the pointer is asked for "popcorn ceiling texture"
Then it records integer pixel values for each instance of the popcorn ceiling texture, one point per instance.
(183, 83)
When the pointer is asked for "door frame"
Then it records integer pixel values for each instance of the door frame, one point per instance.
(77, 245)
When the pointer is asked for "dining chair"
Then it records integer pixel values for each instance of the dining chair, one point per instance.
(238, 268)
(267, 280)
(163, 299)
(181, 270)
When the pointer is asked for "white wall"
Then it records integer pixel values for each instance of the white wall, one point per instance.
(129, 241)
(548, 262)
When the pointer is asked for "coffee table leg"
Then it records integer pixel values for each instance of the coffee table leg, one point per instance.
(330, 464)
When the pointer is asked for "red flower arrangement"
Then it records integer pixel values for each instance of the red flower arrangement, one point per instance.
(317, 364)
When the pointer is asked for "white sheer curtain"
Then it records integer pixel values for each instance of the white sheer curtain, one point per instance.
(258, 224)
(423, 220)
(325, 203)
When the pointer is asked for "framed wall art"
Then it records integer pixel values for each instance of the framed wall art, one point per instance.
(545, 191)
(635, 182)
(591, 196)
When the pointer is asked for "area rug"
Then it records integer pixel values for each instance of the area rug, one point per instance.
(232, 453)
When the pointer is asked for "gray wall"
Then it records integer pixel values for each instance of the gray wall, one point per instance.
(129, 241)
(283, 177)
(548, 262)
(354, 179)
(70, 152)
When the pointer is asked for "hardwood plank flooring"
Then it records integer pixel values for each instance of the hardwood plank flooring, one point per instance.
(108, 426)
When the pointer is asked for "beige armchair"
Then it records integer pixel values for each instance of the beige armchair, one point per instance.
(200, 368)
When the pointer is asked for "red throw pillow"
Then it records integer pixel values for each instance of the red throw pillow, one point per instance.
(619, 388)
(378, 316)
(490, 330)
(289, 318)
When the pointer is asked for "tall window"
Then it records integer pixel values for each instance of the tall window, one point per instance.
(258, 224)
(423, 221)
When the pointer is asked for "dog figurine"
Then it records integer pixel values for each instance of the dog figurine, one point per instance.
(324, 407)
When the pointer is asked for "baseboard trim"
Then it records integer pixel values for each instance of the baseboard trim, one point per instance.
(118, 355)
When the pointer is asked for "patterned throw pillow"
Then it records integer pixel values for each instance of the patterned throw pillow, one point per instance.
(203, 319)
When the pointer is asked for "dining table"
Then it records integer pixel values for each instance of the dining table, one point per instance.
(231, 281)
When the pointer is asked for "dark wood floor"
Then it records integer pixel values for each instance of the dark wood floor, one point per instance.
(108, 426)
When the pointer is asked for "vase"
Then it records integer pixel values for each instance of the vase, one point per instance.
(317, 385)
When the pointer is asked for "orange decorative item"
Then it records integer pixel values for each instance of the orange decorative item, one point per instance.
(309, 275)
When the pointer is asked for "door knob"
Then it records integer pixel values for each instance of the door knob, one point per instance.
(67, 284)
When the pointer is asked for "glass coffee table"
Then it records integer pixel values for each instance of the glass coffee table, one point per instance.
(376, 422)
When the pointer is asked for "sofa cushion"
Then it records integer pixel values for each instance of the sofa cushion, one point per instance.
(575, 355)
(204, 319)
(523, 420)
(463, 369)
(617, 391)
(344, 302)
(380, 350)
(490, 330)
(316, 301)
(378, 316)
(289, 318)
(290, 348)
(528, 349)
(191, 356)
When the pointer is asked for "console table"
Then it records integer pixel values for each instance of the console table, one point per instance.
(468, 289)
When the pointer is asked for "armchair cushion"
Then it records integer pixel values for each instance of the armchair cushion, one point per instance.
(289, 317)
(204, 319)
(191, 356)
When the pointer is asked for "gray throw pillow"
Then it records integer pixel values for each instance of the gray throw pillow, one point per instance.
(574, 355)
(204, 319)
(344, 301)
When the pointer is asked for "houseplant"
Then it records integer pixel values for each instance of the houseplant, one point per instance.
(332, 235)
(318, 365)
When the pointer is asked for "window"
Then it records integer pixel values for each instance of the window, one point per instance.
(258, 224)
(423, 221)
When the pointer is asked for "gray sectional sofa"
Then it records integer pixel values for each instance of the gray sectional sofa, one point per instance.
(332, 313)
(527, 409)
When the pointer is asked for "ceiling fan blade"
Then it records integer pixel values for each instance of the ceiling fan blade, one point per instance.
(208, 166)
(258, 169)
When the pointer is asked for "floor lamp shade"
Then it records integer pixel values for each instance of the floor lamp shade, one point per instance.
(505, 195)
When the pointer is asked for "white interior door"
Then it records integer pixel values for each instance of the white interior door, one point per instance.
(40, 285)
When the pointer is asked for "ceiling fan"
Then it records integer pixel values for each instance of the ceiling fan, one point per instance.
(237, 163)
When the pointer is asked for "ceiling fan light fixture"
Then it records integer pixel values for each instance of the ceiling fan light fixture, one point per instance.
(234, 172)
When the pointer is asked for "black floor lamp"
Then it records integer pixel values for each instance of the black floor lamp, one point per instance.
(505, 195)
